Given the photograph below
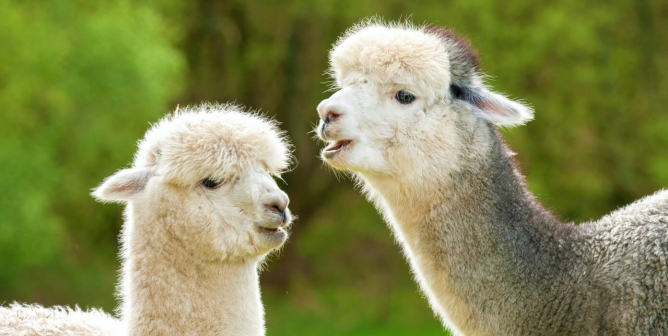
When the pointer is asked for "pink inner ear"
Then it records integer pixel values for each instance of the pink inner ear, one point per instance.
(497, 108)
(131, 183)
(485, 105)
(124, 187)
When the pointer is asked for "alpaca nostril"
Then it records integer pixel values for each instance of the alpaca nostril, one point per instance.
(282, 215)
(331, 116)
(276, 208)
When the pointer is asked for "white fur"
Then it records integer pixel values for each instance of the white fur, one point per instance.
(505, 111)
(404, 56)
(31, 320)
(190, 253)
(370, 49)
(489, 258)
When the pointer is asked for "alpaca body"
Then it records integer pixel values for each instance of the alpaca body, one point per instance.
(203, 210)
(415, 124)
(167, 288)
(492, 261)
(30, 320)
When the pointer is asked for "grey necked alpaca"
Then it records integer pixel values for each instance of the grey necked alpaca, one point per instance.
(417, 127)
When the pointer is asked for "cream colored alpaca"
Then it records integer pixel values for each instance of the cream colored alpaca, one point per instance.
(35, 320)
(415, 124)
(203, 210)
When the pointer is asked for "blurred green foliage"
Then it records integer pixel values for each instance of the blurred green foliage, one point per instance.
(80, 81)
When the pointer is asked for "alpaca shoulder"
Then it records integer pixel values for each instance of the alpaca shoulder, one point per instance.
(24, 319)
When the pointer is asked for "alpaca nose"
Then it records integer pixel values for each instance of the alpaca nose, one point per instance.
(322, 109)
(327, 112)
(279, 204)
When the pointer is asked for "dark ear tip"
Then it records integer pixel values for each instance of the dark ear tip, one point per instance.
(492, 106)
(456, 91)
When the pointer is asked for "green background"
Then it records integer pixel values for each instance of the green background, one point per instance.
(80, 81)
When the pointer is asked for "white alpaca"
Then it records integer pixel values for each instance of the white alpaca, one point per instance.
(35, 320)
(417, 127)
(202, 212)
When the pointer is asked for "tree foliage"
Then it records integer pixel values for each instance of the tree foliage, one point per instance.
(79, 83)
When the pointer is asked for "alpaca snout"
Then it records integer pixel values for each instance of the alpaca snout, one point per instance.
(277, 201)
(330, 128)
(325, 131)
(325, 109)
(277, 207)
(329, 110)
(329, 113)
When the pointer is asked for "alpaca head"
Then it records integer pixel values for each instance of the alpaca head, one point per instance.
(406, 93)
(205, 178)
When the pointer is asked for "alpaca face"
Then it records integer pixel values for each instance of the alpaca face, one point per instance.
(406, 96)
(245, 215)
(205, 179)
(368, 129)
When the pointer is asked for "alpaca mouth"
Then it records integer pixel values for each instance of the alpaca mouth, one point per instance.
(271, 229)
(276, 235)
(335, 147)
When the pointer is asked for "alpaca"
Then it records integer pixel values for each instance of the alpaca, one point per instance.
(203, 210)
(31, 320)
(417, 129)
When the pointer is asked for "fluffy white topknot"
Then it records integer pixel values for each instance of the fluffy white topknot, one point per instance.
(399, 53)
(434, 63)
(218, 141)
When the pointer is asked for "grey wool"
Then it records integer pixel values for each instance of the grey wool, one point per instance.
(489, 258)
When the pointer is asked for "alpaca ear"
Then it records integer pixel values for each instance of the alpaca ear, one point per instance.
(124, 185)
(493, 107)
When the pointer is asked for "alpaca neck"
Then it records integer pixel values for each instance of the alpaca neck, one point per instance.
(470, 236)
(168, 290)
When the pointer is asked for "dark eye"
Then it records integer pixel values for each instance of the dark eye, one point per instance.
(404, 97)
(209, 183)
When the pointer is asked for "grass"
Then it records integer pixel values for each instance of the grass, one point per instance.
(344, 311)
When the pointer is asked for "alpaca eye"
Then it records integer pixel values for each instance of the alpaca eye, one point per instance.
(209, 183)
(404, 97)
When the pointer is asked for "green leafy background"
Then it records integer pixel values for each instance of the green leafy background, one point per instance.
(80, 81)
